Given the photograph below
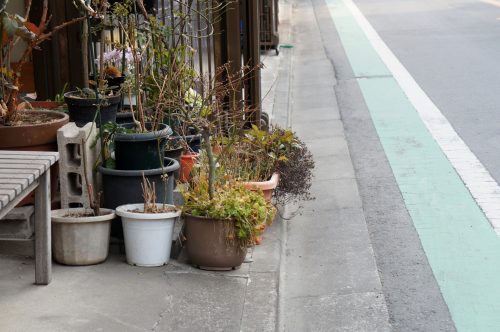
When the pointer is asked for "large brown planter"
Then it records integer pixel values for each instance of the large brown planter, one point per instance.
(208, 247)
(35, 137)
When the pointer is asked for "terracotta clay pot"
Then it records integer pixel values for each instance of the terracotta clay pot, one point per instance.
(267, 187)
(208, 247)
(33, 137)
(188, 160)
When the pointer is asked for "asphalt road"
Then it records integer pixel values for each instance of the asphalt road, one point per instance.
(451, 49)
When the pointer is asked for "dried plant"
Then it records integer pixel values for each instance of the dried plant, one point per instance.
(150, 201)
(14, 28)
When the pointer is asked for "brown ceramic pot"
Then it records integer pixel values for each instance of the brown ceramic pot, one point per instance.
(33, 137)
(207, 245)
(36, 137)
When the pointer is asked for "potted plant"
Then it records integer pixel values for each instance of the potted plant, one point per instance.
(80, 236)
(148, 229)
(137, 148)
(21, 127)
(221, 225)
(222, 217)
(275, 161)
(84, 106)
(142, 144)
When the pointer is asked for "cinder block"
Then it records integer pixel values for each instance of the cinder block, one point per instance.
(72, 142)
(18, 223)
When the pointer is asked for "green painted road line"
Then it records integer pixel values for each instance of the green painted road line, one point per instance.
(462, 248)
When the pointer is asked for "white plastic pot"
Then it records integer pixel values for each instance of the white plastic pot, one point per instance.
(80, 240)
(148, 236)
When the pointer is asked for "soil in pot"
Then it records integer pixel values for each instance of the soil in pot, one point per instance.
(141, 151)
(207, 244)
(83, 110)
(78, 237)
(148, 236)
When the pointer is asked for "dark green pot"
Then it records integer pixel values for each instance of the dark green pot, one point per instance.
(141, 151)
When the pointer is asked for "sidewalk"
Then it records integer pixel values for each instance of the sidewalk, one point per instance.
(315, 272)
(330, 279)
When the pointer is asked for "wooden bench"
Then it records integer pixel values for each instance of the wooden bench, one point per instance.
(21, 172)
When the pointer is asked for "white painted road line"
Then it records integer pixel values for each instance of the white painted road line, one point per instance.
(476, 177)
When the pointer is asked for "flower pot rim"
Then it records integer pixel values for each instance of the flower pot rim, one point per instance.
(71, 95)
(57, 216)
(124, 211)
(146, 136)
(172, 167)
(203, 217)
(272, 183)
(59, 117)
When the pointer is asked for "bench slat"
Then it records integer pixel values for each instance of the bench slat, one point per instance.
(40, 168)
(17, 187)
(24, 183)
(9, 192)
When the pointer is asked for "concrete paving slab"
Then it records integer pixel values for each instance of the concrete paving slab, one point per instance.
(341, 168)
(317, 114)
(318, 129)
(331, 281)
(202, 302)
(334, 194)
(309, 80)
(336, 312)
(328, 146)
(347, 244)
(258, 317)
(321, 97)
(269, 260)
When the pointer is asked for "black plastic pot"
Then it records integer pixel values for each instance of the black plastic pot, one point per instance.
(148, 4)
(83, 110)
(124, 186)
(124, 117)
(175, 154)
(194, 142)
(140, 151)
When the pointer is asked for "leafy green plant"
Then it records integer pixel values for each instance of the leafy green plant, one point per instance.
(257, 154)
(243, 210)
(60, 96)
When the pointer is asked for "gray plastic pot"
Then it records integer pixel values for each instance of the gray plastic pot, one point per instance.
(80, 240)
